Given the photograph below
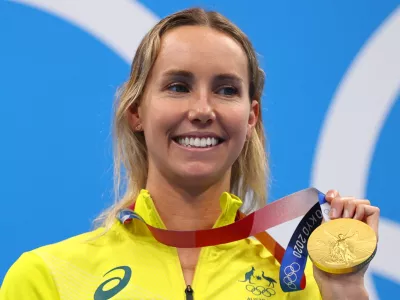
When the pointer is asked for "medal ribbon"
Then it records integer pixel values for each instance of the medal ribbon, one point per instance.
(309, 203)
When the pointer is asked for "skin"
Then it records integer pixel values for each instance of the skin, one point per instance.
(186, 96)
(347, 286)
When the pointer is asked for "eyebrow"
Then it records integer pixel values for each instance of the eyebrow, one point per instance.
(229, 77)
(177, 73)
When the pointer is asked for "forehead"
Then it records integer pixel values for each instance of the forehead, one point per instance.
(201, 49)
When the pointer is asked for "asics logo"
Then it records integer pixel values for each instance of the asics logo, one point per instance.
(102, 294)
(291, 275)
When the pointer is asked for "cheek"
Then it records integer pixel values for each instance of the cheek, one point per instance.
(236, 122)
(159, 119)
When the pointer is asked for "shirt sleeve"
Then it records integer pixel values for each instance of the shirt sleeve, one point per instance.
(28, 278)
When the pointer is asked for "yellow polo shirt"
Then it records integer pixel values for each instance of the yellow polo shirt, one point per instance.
(126, 262)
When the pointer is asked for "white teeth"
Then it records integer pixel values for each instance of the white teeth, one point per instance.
(198, 142)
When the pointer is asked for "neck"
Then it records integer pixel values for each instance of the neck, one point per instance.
(187, 208)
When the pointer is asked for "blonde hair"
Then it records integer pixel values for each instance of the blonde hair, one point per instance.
(250, 170)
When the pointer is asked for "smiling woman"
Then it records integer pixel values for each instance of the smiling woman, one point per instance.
(189, 135)
(210, 85)
(187, 98)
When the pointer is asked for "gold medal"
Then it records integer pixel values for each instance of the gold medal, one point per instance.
(342, 246)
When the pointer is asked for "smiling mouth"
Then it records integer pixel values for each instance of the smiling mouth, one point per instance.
(197, 142)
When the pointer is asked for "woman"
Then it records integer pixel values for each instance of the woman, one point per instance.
(188, 132)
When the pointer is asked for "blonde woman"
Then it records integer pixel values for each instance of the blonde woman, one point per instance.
(189, 135)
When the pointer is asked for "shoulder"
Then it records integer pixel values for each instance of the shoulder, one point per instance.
(70, 247)
(33, 273)
(27, 278)
(84, 252)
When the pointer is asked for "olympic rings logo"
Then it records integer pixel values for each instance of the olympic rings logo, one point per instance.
(291, 276)
(260, 290)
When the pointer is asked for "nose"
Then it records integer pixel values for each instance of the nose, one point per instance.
(201, 111)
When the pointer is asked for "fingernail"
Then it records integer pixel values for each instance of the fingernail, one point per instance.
(333, 213)
(346, 214)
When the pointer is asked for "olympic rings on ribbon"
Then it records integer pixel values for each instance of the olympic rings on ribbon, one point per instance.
(291, 276)
(260, 290)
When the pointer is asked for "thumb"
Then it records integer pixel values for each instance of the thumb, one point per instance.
(331, 194)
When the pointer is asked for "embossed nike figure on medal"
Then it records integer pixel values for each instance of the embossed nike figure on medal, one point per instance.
(342, 246)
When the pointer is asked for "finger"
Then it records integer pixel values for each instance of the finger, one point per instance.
(361, 212)
(363, 201)
(331, 194)
(368, 214)
(350, 205)
(337, 206)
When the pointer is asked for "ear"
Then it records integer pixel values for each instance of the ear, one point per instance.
(134, 118)
(253, 117)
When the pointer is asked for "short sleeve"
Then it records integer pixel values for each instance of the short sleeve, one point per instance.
(28, 278)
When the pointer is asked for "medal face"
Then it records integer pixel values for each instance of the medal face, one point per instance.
(342, 246)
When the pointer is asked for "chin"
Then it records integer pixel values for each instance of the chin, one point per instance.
(200, 176)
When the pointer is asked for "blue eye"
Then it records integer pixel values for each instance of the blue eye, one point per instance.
(228, 91)
(178, 88)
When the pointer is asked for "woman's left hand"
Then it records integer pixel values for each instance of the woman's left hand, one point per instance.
(347, 286)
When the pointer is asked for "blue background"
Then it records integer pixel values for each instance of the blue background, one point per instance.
(57, 85)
